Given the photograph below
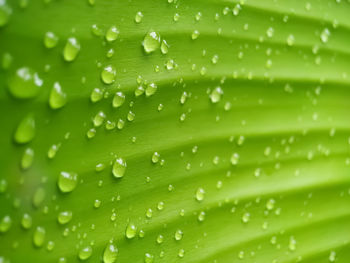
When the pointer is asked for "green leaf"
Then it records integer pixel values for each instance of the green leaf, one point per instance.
(175, 131)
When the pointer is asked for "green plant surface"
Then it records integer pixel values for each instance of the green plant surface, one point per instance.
(242, 154)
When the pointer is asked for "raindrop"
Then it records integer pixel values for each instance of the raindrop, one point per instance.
(71, 49)
(58, 98)
(25, 131)
(25, 84)
(67, 182)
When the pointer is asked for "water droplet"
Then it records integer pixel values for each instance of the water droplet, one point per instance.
(151, 89)
(96, 30)
(5, 224)
(85, 253)
(120, 124)
(151, 42)
(200, 193)
(195, 34)
(50, 40)
(119, 167)
(201, 216)
(25, 131)
(3, 185)
(325, 35)
(26, 221)
(130, 231)
(112, 34)
(51, 153)
(25, 84)
(71, 49)
(215, 95)
(5, 13)
(138, 17)
(91, 133)
(181, 253)
(164, 47)
(58, 98)
(108, 74)
(149, 213)
(99, 119)
(270, 204)
(292, 244)
(332, 256)
(290, 40)
(118, 99)
(39, 196)
(39, 236)
(155, 157)
(160, 239)
(6, 60)
(64, 217)
(245, 217)
(110, 253)
(149, 258)
(67, 182)
(178, 235)
(160, 206)
(235, 159)
(27, 158)
(96, 95)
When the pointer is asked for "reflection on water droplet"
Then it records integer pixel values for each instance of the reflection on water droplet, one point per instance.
(119, 167)
(130, 231)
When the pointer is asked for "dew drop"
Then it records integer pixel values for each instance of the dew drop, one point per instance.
(151, 42)
(71, 49)
(164, 47)
(96, 95)
(215, 95)
(99, 119)
(119, 167)
(39, 236)
(130, 231)
(112, 34)
(149, 258)
(85, 253)
(200, 193)
(178, 235)
(118, 99)
(108, 74)
(110, 253)
(27, 158)
(64, 217)
(151, 89)
(138, 17)
(25, 131)
(26, 221)
(5, 13)
(50, 40)
(58, 98)
(5, 224)
(67, 182)
(25, 84)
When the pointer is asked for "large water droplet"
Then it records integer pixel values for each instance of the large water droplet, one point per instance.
(25, 84)
(67, 182)
(151, 42)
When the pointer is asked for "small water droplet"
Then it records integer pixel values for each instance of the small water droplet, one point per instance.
(39, 236)
(64, 217)
(178, 235)
(50, 40)
(26, 221)
(149, 258)
(112, 34)
(110, 253)
(108, 74)
(118, 99)
(138, 17)
(85, 253)
(200, 193)
(215, 95)
(5, 224)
